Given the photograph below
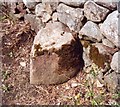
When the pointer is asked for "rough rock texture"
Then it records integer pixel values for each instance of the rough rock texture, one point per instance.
(110, 28)
(92, 31)
(118, 7)
(87, 61)
(52, 3)
(31, 3)
(94, 12)
(115, 63)
(75, 3)
(72, 17)
(56, 55)
(86, 57)
(105, 49)
(108, 43)
(112, 81)
(100, 54)
(55, 16)
(35, 22)
(110, 4)
(44, 11)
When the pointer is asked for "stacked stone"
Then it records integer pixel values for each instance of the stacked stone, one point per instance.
(63, 27)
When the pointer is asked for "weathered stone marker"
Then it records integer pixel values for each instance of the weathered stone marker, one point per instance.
(56, 55)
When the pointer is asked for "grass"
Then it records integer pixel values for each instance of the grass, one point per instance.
(96, 99)
(5, 88)
(6, 14)
(5, 75)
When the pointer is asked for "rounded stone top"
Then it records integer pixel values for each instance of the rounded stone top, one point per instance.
(54, 35)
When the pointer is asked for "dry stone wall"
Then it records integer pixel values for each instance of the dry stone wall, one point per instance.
(73, 35)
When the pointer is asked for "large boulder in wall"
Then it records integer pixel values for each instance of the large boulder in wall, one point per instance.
(56, 55)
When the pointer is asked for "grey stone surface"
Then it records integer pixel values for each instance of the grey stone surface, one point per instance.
(94, 12)
(92, 31)
(76, 3)
(104, 49)
(35, 22)
(100, 54)
(109, 28)
(111, 4)
(87, 61)
(118, 6)
(56, 56)
(72, 17)
(31, 3)
(55, 16)
(108, 43)
(112, 82)
(115, 63)
(44, 11)
(52, 3)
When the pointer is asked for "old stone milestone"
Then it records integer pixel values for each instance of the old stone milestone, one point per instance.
(56, 55)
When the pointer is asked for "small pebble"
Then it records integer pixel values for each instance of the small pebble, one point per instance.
(74, 85)
(23, 64)
(99, 84)
(67, 87)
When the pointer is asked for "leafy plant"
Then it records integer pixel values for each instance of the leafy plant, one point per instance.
(5, 87)
(90, 84)
(5, 74)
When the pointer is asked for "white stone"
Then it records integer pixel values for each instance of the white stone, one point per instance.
(110, 4)
(115, 63)
(46, 17)
(72, 17)
(108, 43)
(53, 35)
(112, 82)
(87, 61)
(73, 2)
(92, 31)
(98, 84)
(23, 64)
(55, 16)
(109, 28)
(35, 22)
(43, 10)
(74, 85)
(94, 12)
(31, 3)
